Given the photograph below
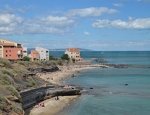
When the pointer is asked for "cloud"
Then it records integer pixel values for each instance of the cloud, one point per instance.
(86, 33)
(91, 11)
(9, 23)
(13, 24)
(117, 4)
(49, 24)
(57, 21)
(140, 23)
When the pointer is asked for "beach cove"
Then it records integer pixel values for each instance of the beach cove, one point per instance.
(53, 106)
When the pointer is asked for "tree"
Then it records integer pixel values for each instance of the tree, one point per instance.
(26, 58)
(65, 57)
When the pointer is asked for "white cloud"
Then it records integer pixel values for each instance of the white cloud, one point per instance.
(91, 11)
(12, 24)
(56, 21)
(141, 23)
(49, 24)
(86, 33)
(117, 4)
(9, 23)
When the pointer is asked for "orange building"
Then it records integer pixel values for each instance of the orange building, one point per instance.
(10, 50)
(74, 53)
(34, 55)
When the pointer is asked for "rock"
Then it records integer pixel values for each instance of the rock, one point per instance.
(12, 98)
(44, 69)
(126, 84)
(73, 75)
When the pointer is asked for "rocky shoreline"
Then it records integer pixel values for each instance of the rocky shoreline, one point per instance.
(67, 93)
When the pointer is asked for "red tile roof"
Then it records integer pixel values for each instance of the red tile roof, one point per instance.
(73, 49)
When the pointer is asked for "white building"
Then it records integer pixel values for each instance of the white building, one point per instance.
(44, 53)
(73, 53)
(25, 53)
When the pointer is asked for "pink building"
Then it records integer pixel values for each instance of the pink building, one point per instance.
(10, 50)
(34, 55)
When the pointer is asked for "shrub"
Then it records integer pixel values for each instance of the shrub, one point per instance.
(26, 58)
(5, 63)
(3, 103)
(31, 82)
(51, 57)
(13, 91)
(7, 71)
(65, 57)
(6, 79)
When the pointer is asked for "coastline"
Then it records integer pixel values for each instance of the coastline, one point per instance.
(58, 77)
(52, 106)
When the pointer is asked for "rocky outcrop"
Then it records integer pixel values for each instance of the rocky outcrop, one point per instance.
(44, 69)
(32, 97)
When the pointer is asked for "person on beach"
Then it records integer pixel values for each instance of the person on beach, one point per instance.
(57, 98)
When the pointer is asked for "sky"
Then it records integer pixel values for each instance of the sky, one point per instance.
(104, 25)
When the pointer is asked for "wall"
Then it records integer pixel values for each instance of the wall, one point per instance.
(11, 53)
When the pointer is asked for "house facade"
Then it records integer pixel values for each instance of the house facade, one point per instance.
(10, 50)
(73, 53)
(44, 53)
(34, 55)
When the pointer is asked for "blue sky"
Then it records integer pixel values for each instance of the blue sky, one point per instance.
(92, 24)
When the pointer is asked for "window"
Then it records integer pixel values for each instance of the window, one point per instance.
(9, 50)
(6, 55)
(9, 55)
(6, 51)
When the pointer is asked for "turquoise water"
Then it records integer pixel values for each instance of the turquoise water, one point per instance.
(109, 95)
(115, 57)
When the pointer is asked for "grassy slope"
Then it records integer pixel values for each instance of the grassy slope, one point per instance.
(14, 78)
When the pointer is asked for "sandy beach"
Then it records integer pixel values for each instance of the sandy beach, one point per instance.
(65, 72)
(52, 106)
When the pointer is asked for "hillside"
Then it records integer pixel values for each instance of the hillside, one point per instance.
(16, 77)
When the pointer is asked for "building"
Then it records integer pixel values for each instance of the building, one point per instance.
(73, 53)
(34, 55)
(44, 53)
(10, 50)
(25, 53)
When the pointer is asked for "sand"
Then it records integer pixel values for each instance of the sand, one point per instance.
(66, 71)
(52, 106)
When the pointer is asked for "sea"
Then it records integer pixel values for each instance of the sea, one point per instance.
(113, 91)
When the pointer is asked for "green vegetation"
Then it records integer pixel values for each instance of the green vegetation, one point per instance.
(14, 77)
(65, 57)
(26, 58)
(52, 57)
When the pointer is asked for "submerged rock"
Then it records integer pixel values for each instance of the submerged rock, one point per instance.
(126, 84)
